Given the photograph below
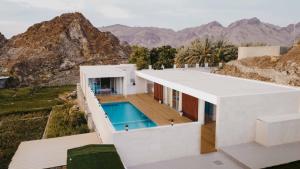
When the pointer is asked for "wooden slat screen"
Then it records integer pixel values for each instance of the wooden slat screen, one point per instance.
(190, 106)
(158, 91)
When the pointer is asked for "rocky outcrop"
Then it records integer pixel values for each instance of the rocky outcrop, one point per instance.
(3, 40)
(283, 70)
(240, 32)
(50, 52)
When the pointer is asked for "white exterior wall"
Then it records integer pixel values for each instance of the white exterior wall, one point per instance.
(148, 145)
(276, 130)
(103, 126)
(140, 85)
(236, 115)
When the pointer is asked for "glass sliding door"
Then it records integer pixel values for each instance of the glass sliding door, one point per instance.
(175, 99)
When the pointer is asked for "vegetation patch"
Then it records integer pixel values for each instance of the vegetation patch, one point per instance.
(30, 99)
(157, 57)
(15, 128)
(94, 157)
(197, 52)
(23, 116)
(66, 120)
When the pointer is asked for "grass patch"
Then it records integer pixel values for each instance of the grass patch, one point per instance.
(66, 120)
(292, 165)
(15, 128)
(30, 99)
(94, 157)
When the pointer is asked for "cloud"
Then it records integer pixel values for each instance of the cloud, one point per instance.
(114, 12)
(54, 4)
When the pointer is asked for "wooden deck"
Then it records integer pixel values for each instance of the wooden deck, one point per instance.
(161, 114)
(208, 138)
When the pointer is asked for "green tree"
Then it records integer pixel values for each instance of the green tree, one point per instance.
(163, 55)
(140, 56)
(154, 55)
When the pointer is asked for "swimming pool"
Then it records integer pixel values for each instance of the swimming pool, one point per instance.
(124, 113)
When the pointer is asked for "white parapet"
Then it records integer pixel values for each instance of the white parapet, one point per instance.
(148, 145)
(279, 129)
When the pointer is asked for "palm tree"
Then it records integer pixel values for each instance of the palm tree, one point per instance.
(206, 52)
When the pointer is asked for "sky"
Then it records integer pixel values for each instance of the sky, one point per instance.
(17, 15)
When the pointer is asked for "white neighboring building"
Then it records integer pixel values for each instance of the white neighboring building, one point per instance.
(238, 109)
(256, 51)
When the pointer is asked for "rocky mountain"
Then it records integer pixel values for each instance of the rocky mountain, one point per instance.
(3, 40)
(50, 52)
(283, 69)
(240, 32)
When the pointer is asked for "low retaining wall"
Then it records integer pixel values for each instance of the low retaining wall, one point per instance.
(276, 130)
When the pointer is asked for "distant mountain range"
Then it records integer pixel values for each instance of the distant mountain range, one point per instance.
(239, 32)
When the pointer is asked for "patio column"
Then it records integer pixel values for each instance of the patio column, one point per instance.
(201, 110)
(180, 102)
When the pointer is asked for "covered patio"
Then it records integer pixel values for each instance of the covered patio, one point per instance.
(161, 114)
(106, 86)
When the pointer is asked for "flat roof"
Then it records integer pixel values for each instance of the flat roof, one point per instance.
(197, 82)
(102, 71)
(47, 153)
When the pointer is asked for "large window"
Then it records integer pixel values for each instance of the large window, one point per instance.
(106, 85)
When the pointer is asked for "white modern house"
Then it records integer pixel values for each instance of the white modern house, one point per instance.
(185, 111)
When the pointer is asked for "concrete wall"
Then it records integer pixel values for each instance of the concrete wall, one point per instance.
(103, 127)
(236, 115)
(276, 130)
(245, 52)
(148, 145)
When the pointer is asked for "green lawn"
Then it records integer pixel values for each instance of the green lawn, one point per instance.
(104, 156)
(30, 99)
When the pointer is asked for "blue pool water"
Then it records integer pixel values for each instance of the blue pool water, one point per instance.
(124, 113)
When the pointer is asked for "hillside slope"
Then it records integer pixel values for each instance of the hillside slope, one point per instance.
(283, 70)
(3, 40)
(240, 32)
(50, 52)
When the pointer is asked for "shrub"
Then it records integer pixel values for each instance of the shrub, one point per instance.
(65, 120)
